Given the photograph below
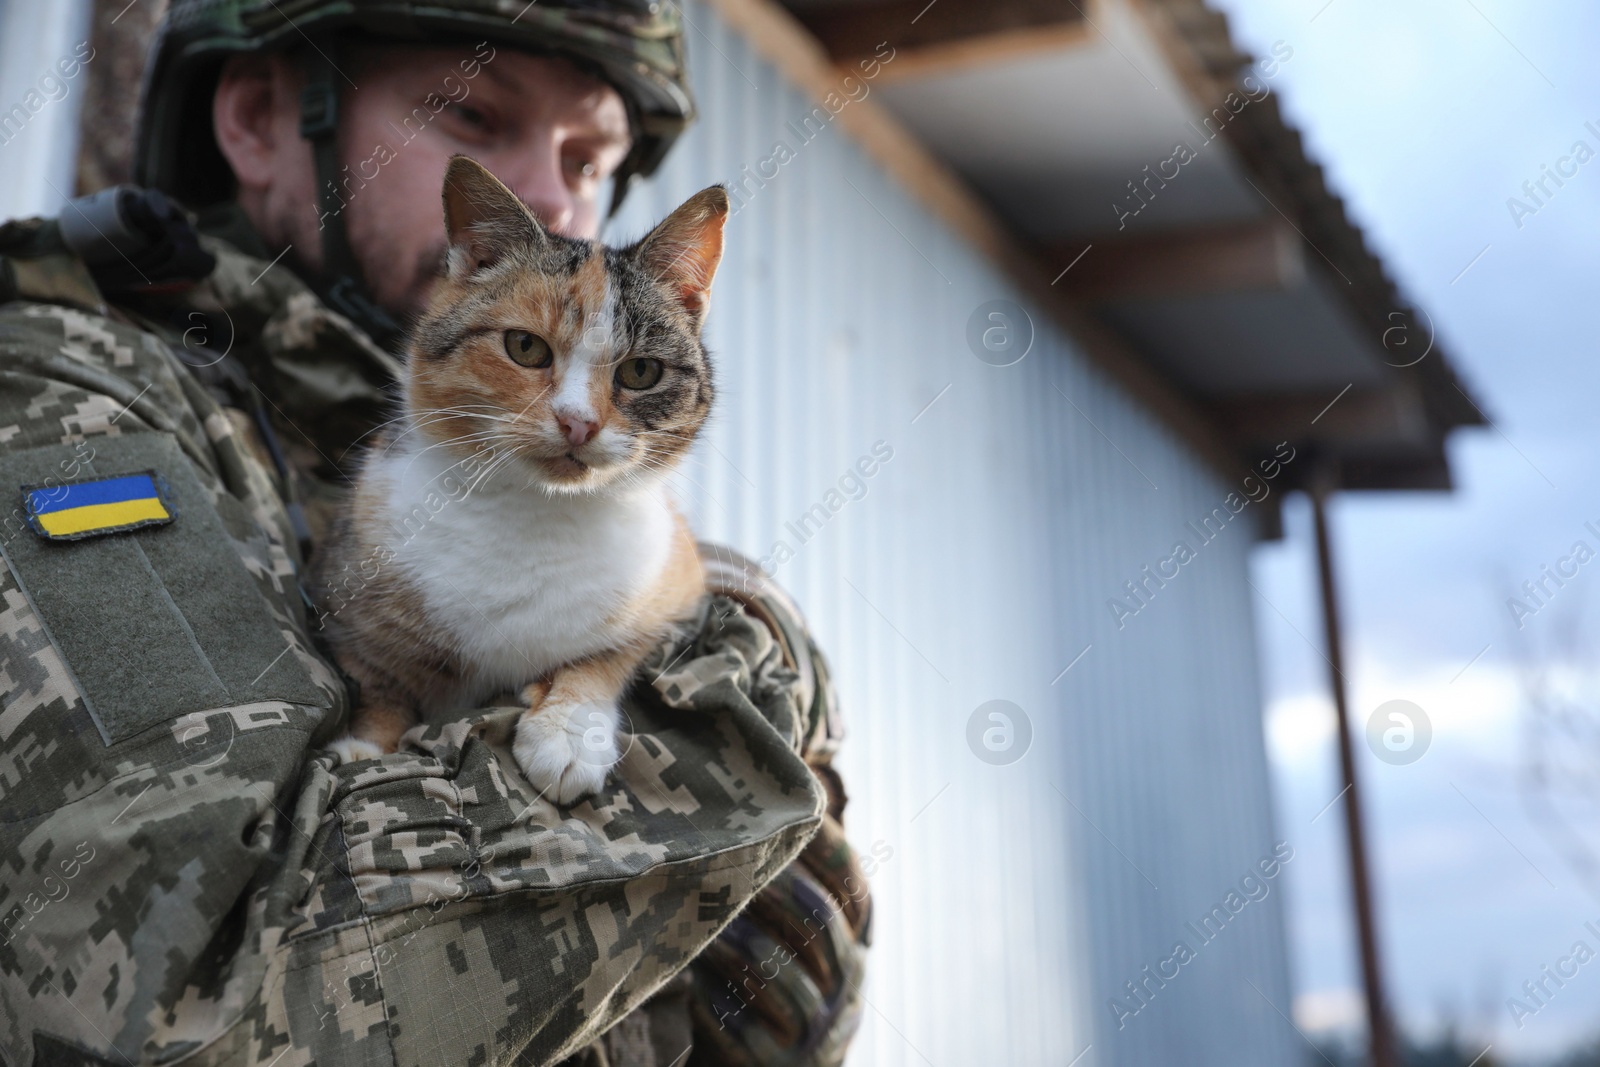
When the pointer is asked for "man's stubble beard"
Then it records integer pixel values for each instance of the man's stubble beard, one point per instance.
(423, 274)
(398, 280)
(404, 302)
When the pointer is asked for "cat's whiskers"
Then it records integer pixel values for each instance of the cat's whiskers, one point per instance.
(431, 418)
(482, 435)
(499, 459)
(404, 415)
(510, 454)
(428, 419)
(490, 436)
(393, 390)
(687, 439)
(427, 415)
(673, 470)
(673, 456)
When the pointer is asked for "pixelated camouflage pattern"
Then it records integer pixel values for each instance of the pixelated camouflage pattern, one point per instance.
(781, 985)
(212, 890)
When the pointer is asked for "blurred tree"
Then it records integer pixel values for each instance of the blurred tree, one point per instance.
(120, 34)
(1559, 776)
(1334, 1051)
(1588, 1056)
(1449, 1050)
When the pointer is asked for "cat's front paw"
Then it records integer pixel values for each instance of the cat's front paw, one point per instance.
(566, 750)
(352, 749)
(533, 694)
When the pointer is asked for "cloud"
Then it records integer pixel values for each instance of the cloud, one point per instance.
(1327, 1011)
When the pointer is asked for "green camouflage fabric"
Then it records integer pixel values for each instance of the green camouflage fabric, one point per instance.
(184, 877)
(781, 985)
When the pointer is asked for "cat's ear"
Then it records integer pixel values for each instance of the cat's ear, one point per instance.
(483, 220)
(684, 250)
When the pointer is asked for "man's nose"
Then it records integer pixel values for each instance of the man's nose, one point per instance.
(537, 178)
(577, 428)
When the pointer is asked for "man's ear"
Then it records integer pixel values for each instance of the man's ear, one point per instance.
(684, 250)
(483, 220)
(245, 110)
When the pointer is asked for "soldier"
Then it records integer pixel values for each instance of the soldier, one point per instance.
(186, 877)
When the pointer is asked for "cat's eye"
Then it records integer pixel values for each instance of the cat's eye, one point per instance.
(639, 372)
(528, 349)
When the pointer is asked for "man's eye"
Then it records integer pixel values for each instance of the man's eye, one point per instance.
(470, 115)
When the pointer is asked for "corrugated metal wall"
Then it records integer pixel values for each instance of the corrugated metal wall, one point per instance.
(37, 144)
(976, 567)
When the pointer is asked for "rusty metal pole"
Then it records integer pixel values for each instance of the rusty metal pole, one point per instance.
(1381, 1038)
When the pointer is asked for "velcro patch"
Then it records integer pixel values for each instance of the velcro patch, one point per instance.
(95, 506)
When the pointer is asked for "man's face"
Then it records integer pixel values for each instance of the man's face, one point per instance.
(550, 131)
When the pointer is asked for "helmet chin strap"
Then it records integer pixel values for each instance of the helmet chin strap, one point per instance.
(341, 283)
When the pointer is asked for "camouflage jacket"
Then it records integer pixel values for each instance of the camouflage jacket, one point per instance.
(184, 876)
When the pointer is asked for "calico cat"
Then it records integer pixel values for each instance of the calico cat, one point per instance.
(559, 382)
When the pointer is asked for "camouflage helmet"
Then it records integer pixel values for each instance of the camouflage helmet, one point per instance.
(635, 45)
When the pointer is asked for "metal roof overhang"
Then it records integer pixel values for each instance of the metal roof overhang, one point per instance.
(1228, 266)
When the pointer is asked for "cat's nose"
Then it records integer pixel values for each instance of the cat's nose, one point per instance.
(577, 430)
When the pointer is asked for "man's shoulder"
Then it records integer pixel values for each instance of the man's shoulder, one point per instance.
(71, 364)
(69, 369)
(134, 258)
(53, 305)
(36, 269)
(155, 311)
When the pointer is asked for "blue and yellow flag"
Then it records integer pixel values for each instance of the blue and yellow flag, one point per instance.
(99, 506)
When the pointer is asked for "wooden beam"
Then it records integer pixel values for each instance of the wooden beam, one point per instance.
(1374, 439)
(852, 31)
(1360, 420)
(1215, 259)
(985, 50)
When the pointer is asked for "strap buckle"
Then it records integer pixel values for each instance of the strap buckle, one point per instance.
(319, 109)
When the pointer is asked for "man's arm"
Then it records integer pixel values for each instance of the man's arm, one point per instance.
(781, 985)
(190, 879)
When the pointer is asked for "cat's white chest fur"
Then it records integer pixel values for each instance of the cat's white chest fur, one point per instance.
(520, 580)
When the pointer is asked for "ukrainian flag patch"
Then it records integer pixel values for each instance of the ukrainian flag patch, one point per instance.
(114, 504)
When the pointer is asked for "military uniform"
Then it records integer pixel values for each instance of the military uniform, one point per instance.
(186, 878)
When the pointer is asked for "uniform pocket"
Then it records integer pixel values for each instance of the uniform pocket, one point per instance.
(149, 605)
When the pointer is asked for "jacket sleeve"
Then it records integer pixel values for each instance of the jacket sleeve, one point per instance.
(781, 985)
(189, 880)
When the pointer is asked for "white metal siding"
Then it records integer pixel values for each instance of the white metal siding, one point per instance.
(982, 557)
(36, 155)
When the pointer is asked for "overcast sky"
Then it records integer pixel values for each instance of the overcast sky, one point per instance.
(1429, 116)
